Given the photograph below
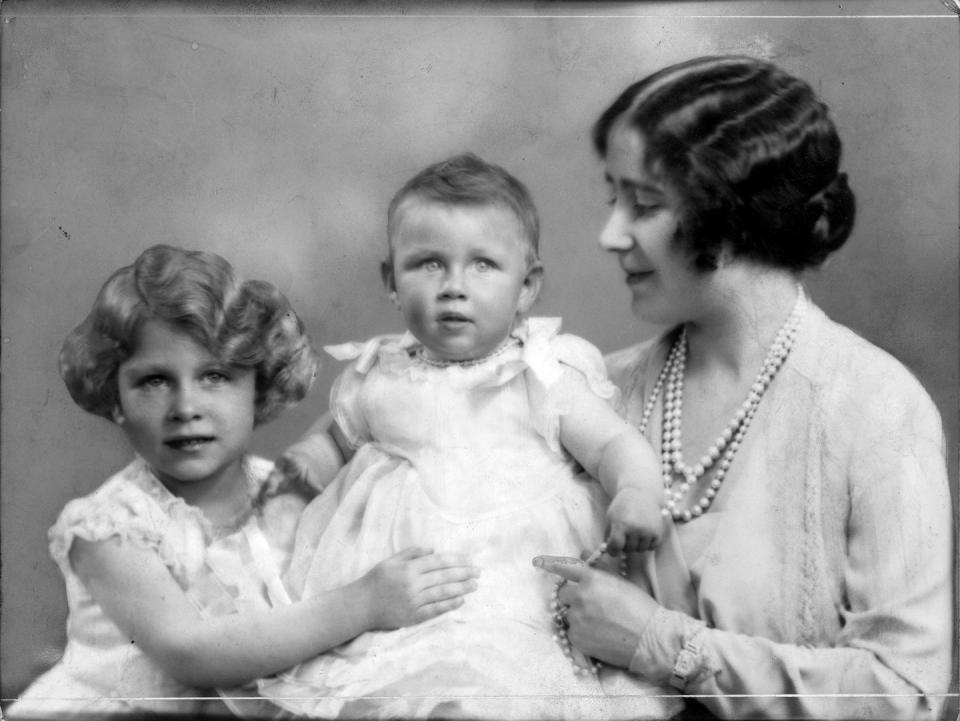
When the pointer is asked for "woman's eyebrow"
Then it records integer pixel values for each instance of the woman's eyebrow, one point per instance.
(630, 184)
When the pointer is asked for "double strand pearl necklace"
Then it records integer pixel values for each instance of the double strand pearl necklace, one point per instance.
(440, 363)
(724, 448)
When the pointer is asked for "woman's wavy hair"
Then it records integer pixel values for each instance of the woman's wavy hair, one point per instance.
(247, 324)
(752, 153)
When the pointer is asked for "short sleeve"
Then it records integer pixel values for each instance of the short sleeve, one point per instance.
(346, 408)
(560, 367)
(584, 357)
(116, 509)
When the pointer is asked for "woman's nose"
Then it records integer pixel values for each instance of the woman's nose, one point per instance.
(616, 233)
(184, 404)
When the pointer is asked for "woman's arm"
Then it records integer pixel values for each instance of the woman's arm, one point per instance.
(616, 454)
(891, 658)
(138, 593)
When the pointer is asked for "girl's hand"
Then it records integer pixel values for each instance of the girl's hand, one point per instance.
(634, 521)
(415, 585)
(289, 475)
(606, 614)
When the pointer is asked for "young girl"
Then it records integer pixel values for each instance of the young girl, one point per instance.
(466, 433)
(171, 569)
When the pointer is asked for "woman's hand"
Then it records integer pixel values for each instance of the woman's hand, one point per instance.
(606, 614)
(415, 585)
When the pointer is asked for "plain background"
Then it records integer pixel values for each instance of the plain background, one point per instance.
(276, 136)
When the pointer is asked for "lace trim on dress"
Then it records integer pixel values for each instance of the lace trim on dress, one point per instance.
(137, 508)
(543, 352)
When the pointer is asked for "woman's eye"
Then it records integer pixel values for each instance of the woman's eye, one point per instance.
(641, 209)
(153, 382)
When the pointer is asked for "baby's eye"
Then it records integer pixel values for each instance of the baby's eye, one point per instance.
(431, 265)
(483, 265)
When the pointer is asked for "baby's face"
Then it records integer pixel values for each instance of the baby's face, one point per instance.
(461, 275)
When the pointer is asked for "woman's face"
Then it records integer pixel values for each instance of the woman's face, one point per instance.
(641, 232)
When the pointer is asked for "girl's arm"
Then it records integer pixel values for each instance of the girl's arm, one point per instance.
(137, 592)
(615, 453)
(309, 465)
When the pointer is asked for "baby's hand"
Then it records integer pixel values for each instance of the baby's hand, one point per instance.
(289, 475)
(634, 521)
(415, 585)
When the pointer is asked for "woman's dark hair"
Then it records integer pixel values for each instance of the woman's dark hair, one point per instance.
(752, 153)
(247, 324)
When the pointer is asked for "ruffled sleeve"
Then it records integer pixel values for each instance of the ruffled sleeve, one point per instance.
(119, 508)
(560, 366)
(345, 406)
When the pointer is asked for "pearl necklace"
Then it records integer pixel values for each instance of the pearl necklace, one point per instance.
(441, 363)
(559, 611)
(724, 448)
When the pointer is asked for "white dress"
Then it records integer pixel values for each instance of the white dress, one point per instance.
(102, 671)
(460, 459)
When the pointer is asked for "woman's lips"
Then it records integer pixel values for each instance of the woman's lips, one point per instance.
(639, 276)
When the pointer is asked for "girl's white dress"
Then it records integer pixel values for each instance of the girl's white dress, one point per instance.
(459, 459)
(223, 571)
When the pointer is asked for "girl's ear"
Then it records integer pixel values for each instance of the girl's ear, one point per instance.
(117, 415)
(530, 289)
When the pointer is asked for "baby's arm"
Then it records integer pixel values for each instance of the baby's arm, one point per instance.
(614, 452)
(309, 465)
(137, 592)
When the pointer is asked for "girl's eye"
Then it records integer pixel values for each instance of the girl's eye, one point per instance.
(216, 377)
(153, 382)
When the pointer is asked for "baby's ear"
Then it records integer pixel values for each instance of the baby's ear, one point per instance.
(386, 274)
(531, 288)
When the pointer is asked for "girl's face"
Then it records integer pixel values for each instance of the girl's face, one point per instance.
(186, 413)
(641, 231)
(461, 276)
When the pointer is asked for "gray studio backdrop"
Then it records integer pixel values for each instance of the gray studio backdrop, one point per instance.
(276, 139)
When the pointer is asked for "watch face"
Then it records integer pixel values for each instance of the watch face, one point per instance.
(686, 662)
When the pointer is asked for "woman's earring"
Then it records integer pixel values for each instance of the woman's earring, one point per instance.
(395, 299)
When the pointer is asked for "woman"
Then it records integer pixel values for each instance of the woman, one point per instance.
(807, 572)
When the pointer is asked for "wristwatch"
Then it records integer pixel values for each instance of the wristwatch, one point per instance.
(687, 663)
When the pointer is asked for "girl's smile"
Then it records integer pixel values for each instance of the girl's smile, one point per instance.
(186, 413)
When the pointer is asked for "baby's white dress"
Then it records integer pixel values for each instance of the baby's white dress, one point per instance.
(102, 670)
(460, 459)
